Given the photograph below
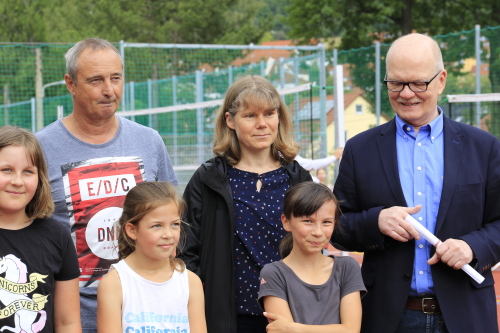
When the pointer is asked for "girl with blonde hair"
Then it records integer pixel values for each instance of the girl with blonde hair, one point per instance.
(149, 290)
(37, 255)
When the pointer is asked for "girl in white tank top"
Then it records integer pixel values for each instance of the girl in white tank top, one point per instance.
(149, 290)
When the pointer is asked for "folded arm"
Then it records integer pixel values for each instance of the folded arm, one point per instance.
(280, 318)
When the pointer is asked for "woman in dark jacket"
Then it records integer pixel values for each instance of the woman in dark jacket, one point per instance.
(235, 201)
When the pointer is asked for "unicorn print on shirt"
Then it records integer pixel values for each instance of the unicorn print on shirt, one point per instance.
(29, 316)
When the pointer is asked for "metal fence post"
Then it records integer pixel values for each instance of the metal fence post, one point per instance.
(39, 88)
(131, 87)
(199, 117)
(229, 75)
(6, 103)
(297, 104)
(33, 114)
(322, 98)
(335, 113)
(150, 101)
(60, 112)
(336, 137)
(377, 81)
(478, 74)
(282, 72)
(122, 53)
(174, 120)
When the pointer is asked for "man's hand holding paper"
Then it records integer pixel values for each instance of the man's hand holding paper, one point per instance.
(392, 223)
(453, 252)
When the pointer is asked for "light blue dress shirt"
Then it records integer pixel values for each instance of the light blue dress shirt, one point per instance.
(421, 172)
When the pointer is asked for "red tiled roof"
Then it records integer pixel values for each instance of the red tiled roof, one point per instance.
(258, 55)
(348, 99)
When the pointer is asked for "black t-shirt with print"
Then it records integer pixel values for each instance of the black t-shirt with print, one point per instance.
(31, 260)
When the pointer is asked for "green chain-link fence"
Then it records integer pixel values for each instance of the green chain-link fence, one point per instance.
(164, 75)
(159, 75)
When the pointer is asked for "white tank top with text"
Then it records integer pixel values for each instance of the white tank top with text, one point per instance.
(153, 307)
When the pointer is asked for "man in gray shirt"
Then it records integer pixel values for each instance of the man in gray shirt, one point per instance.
(94, 158)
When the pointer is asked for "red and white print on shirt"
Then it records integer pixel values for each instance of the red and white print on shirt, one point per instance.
(95, 190)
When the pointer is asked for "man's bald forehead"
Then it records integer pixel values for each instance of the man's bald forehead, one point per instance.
(413, 45)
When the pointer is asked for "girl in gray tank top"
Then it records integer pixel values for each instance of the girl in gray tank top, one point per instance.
(308, 291)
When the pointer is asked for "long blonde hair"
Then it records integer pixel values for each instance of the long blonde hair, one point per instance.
(256, 91)
(41, 205)
(140, 200)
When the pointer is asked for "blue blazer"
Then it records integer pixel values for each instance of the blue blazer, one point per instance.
(368, 181)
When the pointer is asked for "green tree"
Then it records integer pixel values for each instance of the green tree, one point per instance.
(280, 28)
(247, 21)
(23, 21)
(149, 21)
(357, 21)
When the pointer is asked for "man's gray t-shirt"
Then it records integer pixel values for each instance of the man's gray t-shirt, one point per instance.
(89, 183)
(312, 304)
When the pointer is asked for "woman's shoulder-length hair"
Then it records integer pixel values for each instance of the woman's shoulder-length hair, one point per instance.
(258, 92)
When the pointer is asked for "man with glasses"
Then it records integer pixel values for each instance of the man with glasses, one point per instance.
(443, 173)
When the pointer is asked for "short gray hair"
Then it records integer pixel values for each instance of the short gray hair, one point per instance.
(73, 53)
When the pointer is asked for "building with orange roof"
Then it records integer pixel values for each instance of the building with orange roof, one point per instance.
(358, 117)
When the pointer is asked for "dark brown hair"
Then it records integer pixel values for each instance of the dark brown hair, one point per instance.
(305, 199)
(41, 205)
(140, 200)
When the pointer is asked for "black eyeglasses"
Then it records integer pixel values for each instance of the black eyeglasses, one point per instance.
(416, 86)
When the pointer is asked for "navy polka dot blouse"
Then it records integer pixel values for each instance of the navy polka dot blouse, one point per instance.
(258, 229)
